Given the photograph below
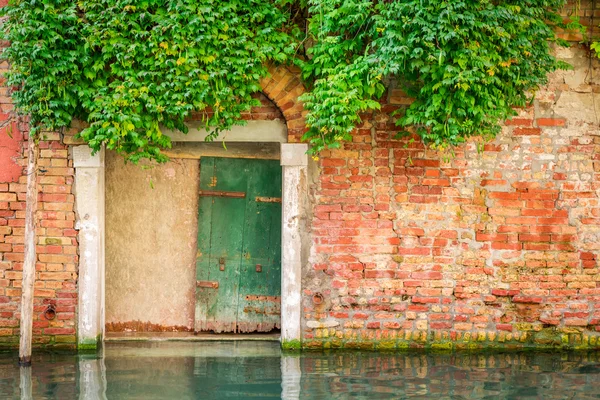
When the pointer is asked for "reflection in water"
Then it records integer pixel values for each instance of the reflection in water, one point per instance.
(291, 377)
(457, 376)
(241, 370)
(92, 377)
(25, 383)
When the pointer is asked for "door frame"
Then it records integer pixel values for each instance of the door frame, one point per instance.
(90, 212)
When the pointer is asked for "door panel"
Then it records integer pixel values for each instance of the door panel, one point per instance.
(260, 279)
(239, 245)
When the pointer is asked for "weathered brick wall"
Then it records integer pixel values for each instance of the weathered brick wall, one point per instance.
(409, 246)
(266, 111)
(587, 14)
(500, 244)
(56, 268)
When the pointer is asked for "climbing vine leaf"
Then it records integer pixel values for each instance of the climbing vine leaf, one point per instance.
(130, 68)
(467, 64)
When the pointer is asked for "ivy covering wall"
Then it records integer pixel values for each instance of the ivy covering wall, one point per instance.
(130, 68)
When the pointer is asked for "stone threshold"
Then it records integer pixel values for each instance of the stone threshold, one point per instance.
(188, 337)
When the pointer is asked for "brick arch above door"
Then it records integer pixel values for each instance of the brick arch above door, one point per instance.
(283, 86)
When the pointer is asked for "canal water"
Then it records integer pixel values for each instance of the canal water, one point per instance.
(259, 370)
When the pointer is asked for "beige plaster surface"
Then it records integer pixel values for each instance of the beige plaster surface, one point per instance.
(151, 225)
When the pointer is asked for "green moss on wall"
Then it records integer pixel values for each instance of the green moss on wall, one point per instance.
(544, 339)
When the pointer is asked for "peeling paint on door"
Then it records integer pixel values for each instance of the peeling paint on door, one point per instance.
(239, 246)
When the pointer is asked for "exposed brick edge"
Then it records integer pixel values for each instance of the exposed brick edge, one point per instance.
(283, 86)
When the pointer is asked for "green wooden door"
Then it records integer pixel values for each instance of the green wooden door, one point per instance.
(238, 266)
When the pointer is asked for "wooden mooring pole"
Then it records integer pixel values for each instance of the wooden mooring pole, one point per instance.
(30, 254)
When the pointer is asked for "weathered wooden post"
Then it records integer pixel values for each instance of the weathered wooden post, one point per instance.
(30, 253)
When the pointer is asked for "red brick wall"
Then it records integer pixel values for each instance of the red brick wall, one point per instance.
(10, 150)
(266, 111)
(588, 15)
(411, 243)
(57, 248)
(406, 243)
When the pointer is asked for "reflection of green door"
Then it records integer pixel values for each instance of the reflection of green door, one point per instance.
(238, 268)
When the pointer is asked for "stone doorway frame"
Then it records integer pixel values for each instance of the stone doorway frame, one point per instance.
(282, 87)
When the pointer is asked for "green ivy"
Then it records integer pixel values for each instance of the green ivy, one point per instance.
(596, 47)
(45, 54)
(131, 68)
(467, 64)
(341, 70)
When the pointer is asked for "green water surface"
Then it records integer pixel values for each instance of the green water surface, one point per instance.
(259, 370)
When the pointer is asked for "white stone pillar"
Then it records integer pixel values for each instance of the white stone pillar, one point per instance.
(294, 161)
(89, 205)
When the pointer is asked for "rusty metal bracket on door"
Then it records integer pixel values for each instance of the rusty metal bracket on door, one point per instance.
(207, 284)
(222, 264)
(221, 193)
